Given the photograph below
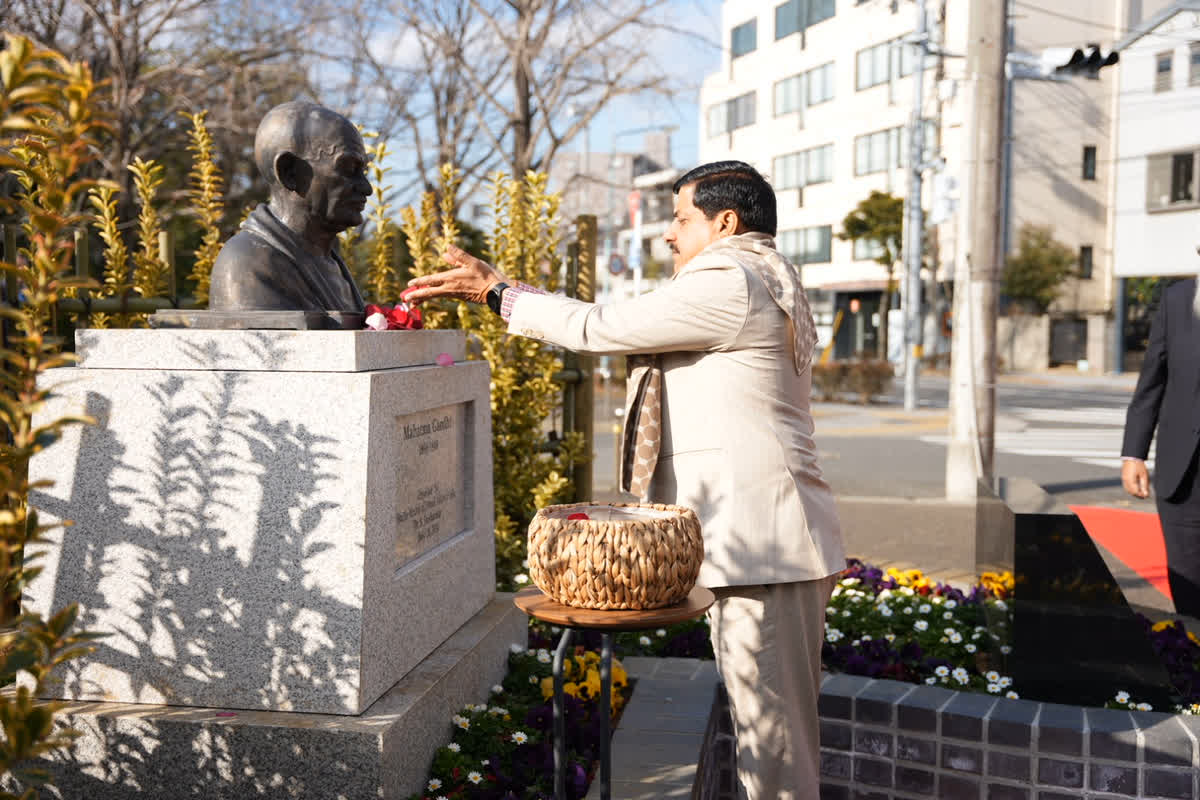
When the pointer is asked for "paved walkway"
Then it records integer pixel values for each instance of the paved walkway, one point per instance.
(656, 748)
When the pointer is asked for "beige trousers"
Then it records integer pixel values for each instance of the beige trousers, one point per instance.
(767, 640)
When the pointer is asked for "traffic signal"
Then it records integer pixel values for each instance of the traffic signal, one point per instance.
(1084, 62)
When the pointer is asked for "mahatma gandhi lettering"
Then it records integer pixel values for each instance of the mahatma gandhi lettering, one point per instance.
(431, 503)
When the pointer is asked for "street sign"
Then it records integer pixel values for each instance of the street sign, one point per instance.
(616, 264)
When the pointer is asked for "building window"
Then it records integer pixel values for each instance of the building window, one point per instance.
(881, 63)
(867, 250)
(1194, 64)
(1085, 261)
(805, 168)
(744, 38)
(731, 115)
(798, 15)
(879, 151)
(807, 245)
(1171, 181)
(1089, 162)
(1162, 71)
(813, 87)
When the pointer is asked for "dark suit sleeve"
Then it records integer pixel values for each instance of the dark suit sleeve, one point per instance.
(1142, 416)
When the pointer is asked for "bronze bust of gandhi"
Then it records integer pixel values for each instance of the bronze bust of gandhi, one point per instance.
(284, 258)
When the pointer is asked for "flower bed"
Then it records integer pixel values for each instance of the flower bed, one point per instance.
(902, 626)
(503, 749)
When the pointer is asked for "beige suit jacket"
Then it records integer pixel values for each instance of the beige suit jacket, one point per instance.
(737, 429)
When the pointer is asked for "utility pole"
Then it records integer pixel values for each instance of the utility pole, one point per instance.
(970, 452)
(914, 222)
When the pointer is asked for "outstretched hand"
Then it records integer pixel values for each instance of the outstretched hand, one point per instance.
(469, 279)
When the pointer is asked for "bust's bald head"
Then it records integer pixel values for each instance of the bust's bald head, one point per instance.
(304, 129)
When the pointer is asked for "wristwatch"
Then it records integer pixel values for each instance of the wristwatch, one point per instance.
(493, 296)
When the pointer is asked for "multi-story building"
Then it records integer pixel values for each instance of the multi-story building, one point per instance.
(1157, 193)
(818, 95)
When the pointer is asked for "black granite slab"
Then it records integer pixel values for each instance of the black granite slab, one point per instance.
(256, 320)
(1075, 638)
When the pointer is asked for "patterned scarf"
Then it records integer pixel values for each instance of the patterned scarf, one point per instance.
(642, 436)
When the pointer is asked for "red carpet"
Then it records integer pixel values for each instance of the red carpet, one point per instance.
(1134, 537)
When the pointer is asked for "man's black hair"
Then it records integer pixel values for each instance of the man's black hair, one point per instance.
(736, 186)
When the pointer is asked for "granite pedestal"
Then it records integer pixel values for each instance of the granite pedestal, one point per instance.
(277, 521)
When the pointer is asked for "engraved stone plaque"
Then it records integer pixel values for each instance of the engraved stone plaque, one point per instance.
(434, 498)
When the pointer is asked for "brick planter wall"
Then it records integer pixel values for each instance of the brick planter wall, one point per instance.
(884, 739)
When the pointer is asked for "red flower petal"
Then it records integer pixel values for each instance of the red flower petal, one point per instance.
(578, 515)
(374, 309)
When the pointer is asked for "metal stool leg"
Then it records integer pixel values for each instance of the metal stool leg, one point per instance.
(560, 722)
(606, 654)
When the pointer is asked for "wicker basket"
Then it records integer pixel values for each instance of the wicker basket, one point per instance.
(624, 556)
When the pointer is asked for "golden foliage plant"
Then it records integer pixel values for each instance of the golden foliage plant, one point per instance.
(524, 392)
(48, 139)
(382, 281)
(116, 256)
(149, 270)
(207, 202)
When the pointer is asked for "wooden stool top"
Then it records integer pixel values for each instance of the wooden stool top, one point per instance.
(538, 605)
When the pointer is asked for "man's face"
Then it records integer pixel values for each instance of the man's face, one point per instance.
(339, 189)
(690, 230)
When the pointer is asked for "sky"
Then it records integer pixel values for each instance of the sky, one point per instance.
(688, 59)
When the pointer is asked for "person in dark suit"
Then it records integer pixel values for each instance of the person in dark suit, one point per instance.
(1166, 397)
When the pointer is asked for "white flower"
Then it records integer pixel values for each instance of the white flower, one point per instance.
(474, 777)
(454, 747)
(937, 600)
(947, 615)
(834, 635)
(533, 679)
(477, 707)
(497, 689)
(497, 711)
(925, 608)
(516, 649)
(994, 688)
(850, 581)
(525, 564)
(856, 599)
(1005, 649)
(931, 680)
(856, 643)
(543, 657)
(376, 322)
(846, 613)
(521, 578)
(891, 637)
(519, 737)
(908, 609)
(942, 671)
(883, 596)
(644, 641)
(485, 762)
(866, 638)
(1001, 605)
(921, 625)
(960, 675)
(884, 611)
(461, 721)
(1005, 681)
(951, 603)
(661, 632)
(1122, 697)
(434, 784)
(442, 797)
(907, 591)
(970, 648)
(555, 629)
(1011, 695)
(955, 637)
(992, 676)
(1144, 707)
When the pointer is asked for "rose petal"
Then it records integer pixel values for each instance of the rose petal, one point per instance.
(578, 515)
(404, 293)
(445, 360)
(226, 713)
(415, 320)
(376, 322)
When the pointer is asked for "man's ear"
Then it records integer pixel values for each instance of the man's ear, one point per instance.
(293, 172)
(728, 222)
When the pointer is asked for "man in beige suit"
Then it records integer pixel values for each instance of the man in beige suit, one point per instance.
(720, 406)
